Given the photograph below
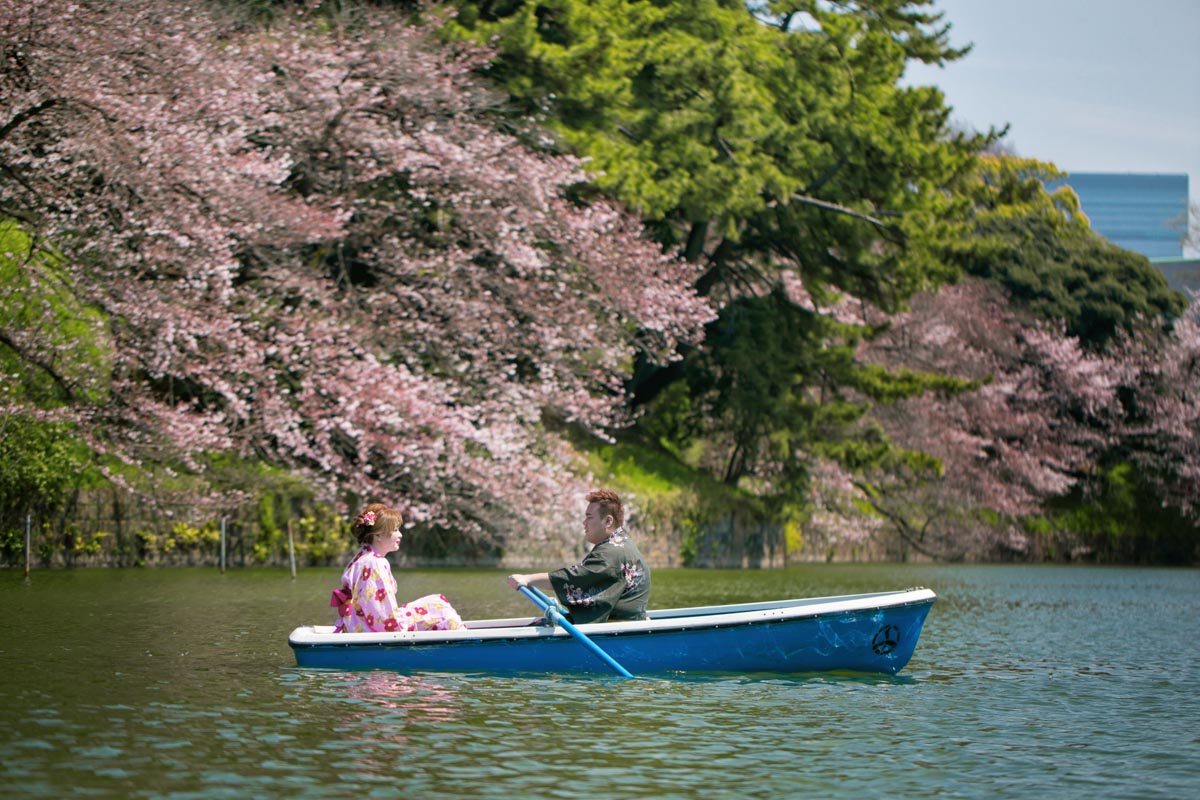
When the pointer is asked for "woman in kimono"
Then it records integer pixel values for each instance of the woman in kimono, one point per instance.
(366, 600)
(612, 583)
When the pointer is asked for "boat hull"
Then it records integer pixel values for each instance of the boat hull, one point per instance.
(858, 633)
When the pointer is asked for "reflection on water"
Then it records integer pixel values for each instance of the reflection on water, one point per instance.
(1027, 683)
(380, 707)
(398, 692)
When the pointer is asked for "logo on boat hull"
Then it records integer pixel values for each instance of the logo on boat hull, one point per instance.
(885, 640)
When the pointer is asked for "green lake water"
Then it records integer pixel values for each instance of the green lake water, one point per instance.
(1028, 682)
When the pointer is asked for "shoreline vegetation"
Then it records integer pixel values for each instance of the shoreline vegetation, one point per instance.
(476, 259)
(724, 534)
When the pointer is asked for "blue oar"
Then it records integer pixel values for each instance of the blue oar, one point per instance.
(550, 609)
(543, 597)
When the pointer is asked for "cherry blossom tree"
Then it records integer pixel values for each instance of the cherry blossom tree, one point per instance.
(1035, 414)
(320, 244)
(1161, 433)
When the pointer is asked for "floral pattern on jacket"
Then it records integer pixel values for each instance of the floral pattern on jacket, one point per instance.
(612, 582)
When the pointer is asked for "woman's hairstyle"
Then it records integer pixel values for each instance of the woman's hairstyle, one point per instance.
(609, 504)
(373, 519)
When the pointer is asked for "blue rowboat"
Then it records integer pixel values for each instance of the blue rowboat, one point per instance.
(873, 633)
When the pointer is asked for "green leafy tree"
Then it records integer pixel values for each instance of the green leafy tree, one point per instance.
(53, 351)
(1037, 245)
(773, 143)
(1120, 518)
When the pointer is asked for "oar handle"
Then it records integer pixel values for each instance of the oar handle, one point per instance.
(550, 609)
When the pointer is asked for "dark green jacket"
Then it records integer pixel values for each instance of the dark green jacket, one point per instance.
(611, 583)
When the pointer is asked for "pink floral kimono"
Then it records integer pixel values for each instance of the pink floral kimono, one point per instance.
(366, 601)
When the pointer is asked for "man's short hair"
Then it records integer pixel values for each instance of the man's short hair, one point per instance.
(610, 504)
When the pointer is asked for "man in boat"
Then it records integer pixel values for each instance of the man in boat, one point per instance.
(612, 583)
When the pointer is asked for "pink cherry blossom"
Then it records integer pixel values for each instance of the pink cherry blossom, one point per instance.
(1041, 415)
(331, 250)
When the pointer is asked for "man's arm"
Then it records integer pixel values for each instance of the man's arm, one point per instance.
(540, 580)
